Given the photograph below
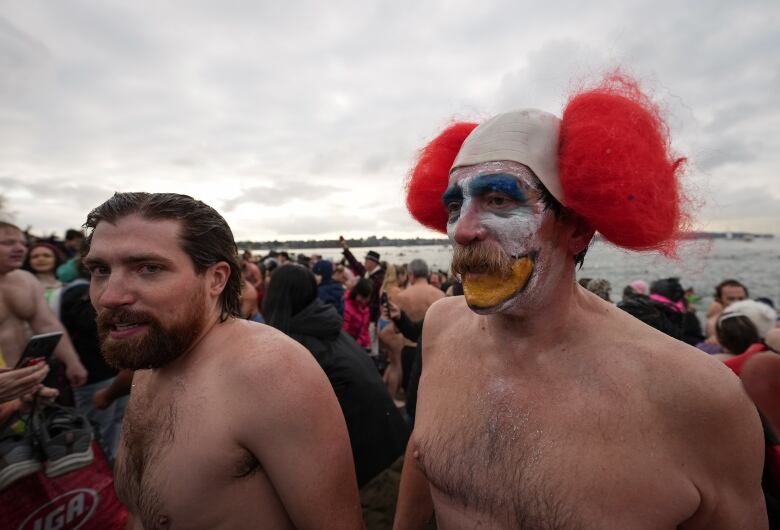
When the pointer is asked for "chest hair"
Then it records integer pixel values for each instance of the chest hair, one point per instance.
(148, 430)
(494, 458)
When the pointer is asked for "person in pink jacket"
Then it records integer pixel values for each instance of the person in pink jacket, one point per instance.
(357, 315)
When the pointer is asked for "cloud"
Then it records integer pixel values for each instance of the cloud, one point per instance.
(300, 226)
(280, 194)
(269, 110)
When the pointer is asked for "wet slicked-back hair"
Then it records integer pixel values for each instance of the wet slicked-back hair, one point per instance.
(205, 235)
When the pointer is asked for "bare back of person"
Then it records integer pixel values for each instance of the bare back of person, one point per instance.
(17, 308)
(184, 460)
(585, 433)
(415, 301)
(417, 298)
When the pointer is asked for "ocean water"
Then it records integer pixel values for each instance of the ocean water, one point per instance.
(701, 264)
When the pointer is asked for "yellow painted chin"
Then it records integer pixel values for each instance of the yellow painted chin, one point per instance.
(486, 291)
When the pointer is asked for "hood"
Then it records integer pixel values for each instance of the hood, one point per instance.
(323, 268)
(317, 320)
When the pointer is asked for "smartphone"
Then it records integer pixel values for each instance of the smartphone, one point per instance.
(39, 346)
(385, 302)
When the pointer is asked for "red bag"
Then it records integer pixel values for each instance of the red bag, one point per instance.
(83, 499)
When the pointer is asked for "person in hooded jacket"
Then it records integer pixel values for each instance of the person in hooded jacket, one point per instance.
(329, 290)
(670, 293)
(377, 430)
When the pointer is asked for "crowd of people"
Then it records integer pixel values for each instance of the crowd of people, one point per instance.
(279, 391)
(361, 320)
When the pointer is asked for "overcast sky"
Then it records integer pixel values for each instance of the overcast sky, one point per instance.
(301, 119)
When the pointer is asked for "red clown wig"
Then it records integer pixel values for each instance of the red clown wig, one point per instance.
(431, 174)
(615, 165)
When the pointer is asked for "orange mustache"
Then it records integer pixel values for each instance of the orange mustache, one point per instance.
(481, 258)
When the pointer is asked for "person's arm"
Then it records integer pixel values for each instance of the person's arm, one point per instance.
(409, 329)
(357, 268)
(415, 504)
(415, 507)
(119, 387)
(299, 436)
(727, 457)
(761, 378)
(414, 383)
(404, 325)
(45, 321)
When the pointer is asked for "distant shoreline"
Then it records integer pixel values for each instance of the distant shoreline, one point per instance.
(374, 241)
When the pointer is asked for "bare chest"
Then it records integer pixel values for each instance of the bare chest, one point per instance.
(516, 459)
(17, 301)
(175, 454)
(143, 459)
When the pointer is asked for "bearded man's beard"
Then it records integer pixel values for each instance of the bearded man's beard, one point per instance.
(481, 258)
(158, 345)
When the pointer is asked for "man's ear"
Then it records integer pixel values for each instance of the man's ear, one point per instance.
(218, 275)
(581, 234)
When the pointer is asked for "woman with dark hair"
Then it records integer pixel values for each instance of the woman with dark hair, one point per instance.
(376, 429)
(42, 260)
(736, 333)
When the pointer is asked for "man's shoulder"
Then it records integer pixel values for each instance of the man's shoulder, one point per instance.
(434, 292)
(669, 370)
(446, 312)
(261, 365)
(253, 344)
(19, 276)
(690, 385)
(259, 357)
(21, 286)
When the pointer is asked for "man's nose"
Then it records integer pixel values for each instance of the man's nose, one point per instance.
(114, 292)
(469, 227)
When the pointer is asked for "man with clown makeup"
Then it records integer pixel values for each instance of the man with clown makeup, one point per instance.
(540, 404)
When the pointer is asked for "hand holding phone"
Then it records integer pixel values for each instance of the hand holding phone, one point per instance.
(39, 347)
(18, 382)
(390, 309)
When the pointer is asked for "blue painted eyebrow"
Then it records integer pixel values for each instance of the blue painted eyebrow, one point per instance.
(500, 182)
(452, 194)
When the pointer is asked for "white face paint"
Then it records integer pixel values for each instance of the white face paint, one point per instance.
(498, 202)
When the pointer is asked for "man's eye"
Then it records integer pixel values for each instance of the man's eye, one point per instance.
(150, 269)
(499, 201)
(453, 208)
(99, 270)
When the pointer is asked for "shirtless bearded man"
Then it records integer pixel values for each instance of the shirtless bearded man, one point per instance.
(23, 308)
(541, 405)
(230, 424)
